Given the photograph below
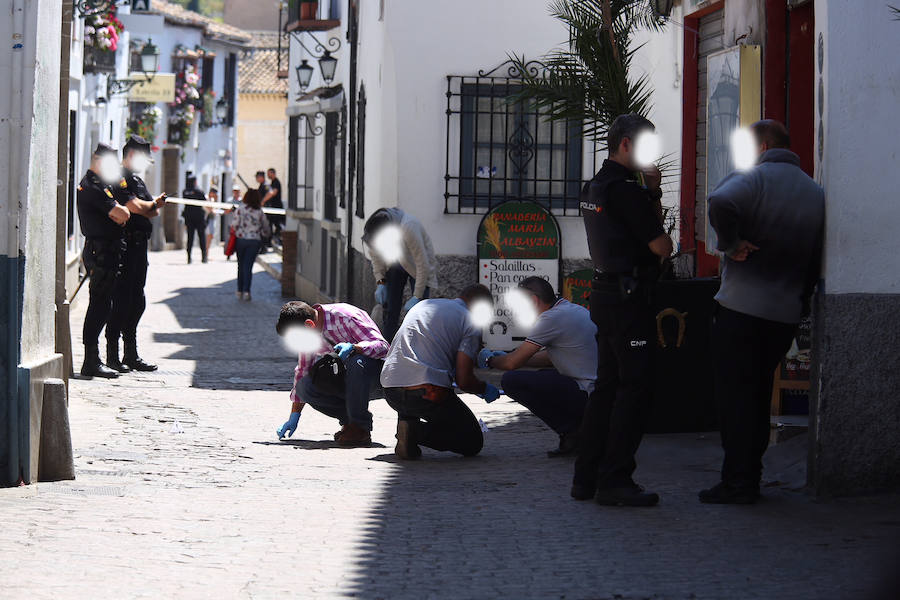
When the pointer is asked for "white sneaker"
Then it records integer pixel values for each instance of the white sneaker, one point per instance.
(239, 295)
(247, 296)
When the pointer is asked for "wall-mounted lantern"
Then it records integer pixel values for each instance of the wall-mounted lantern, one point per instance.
(149, 66)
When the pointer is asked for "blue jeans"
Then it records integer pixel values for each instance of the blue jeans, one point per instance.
(247, 250)
(553, 398)
(354, 406)
(395, 279)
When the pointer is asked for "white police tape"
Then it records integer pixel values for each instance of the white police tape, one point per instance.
(219, 205)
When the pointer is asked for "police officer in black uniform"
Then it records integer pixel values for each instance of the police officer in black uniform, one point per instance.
(623, 218)
(194, 217)
(129, 301)
(102, 220)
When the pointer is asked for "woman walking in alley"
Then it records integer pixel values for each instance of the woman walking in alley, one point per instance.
(250, 227)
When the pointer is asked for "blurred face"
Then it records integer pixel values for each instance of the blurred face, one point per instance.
(523, 305)
(302, 339)
(271, 175)
(481, 312)
(236, 194)
(213, 196)
(639, 152)
(108, 169)
(260, 179)
(137, 162)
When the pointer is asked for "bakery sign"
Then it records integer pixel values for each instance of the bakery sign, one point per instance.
(516, 239)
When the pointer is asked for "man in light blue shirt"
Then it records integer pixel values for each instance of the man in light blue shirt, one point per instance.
(436, 343)
(563, 337)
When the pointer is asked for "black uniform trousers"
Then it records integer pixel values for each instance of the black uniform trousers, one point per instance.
(198, 227)
(613, 422)
(129, 301)
(746, 350)
(103, 261)
(448, 424)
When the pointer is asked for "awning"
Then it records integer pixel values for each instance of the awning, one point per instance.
(320, 100)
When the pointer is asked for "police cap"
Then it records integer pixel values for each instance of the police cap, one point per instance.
(103, 149)
(136, 142)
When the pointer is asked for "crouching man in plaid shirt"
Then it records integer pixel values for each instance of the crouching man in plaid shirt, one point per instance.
(352, 334)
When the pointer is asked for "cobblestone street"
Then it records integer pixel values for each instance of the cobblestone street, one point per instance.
(183, 490)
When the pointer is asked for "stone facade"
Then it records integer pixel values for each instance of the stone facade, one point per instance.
(856, 344)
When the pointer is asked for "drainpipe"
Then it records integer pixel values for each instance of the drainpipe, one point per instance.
(352, 37)
(63, 189)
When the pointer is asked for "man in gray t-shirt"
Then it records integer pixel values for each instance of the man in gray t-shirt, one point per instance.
(435, 345)
(563, 337)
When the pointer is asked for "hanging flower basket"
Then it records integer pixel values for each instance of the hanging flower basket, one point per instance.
(183, 110)
(101, 40)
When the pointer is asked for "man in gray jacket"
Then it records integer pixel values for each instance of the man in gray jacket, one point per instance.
(401, 252)
(769, 221)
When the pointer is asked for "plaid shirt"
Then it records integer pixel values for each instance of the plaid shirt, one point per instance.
(343, 323)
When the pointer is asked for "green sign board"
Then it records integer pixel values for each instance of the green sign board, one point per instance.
(577, 287)
(515, 240)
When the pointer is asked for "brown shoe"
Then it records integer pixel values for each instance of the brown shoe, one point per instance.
(406, 447)
(352, 436)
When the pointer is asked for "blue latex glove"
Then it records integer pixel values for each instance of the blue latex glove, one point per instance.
(289, 427)
(410, 303)
(491, 393)
(381, 294)
(485, 355)
(344, 349)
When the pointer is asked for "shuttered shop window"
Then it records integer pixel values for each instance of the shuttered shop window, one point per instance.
(712, 39)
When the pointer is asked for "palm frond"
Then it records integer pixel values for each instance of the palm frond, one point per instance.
(587, 80)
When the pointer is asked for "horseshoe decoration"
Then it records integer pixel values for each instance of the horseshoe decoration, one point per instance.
(682, 326)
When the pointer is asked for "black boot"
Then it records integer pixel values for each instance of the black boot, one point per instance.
(568, 445)
(92, 366)
(112, 357)
(134, 361)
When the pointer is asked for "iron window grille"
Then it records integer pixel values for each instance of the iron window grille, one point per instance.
(334, 163)
(499, 150)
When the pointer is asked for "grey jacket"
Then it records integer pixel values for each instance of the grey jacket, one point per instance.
(779, 208)
(418, 254)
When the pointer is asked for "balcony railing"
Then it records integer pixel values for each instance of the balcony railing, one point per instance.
(99, 61)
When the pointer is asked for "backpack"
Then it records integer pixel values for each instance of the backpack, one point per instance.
(328, 373)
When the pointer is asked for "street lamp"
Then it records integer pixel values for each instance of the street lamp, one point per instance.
(304, 74)
(662, 8)
(149, 66)
(328, 65)
(149, 58)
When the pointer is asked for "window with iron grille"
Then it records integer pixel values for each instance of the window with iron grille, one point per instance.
(331, 164)
(498, 150)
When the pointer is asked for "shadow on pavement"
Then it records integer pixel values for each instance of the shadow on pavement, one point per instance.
(502, 525)
(232, 343)
(315, 444)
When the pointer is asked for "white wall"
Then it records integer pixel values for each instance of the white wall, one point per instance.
(861, 147)
(407, 63)
(28, 141)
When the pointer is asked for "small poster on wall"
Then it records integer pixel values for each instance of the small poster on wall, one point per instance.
(577, 287)
(733, 88)
(515, 240)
